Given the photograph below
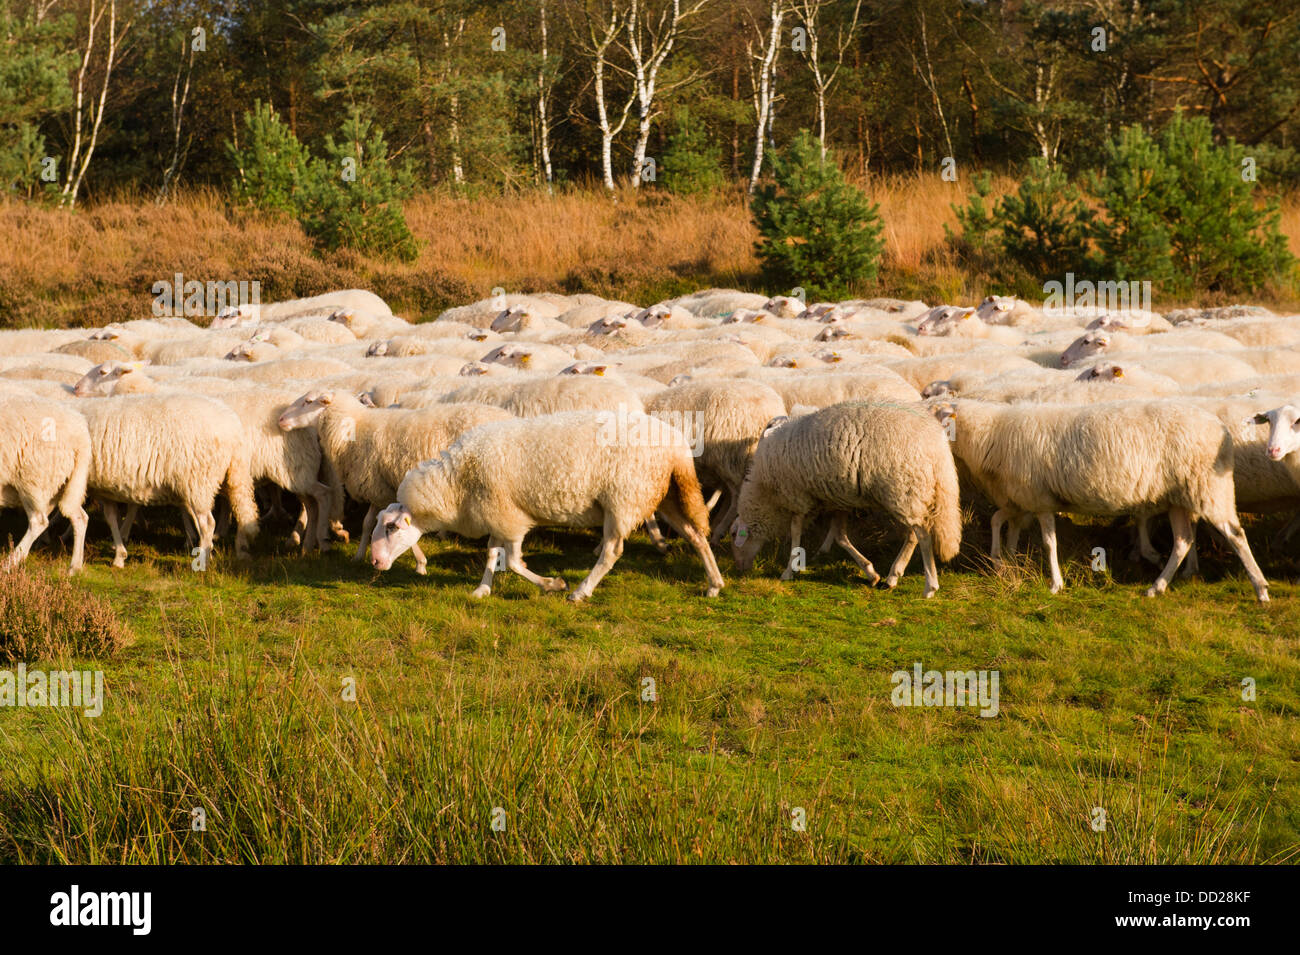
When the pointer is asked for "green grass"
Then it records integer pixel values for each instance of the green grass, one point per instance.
(775, 696)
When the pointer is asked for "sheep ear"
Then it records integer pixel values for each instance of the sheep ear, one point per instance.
(1262, 418)
(1119, 372)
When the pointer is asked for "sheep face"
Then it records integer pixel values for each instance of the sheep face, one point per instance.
(585, 368)
(513, 356)
(833, 333)
(1283, 432)
(474, 368)
(107, 333)
(1104, 372)
(1093, 343)
(395, 533)
(304, 412)
(936, 389)
(233, 316)
(101, 379)
(654, 316)
(815, 311)
(943, 319)
(996, 305)
(378, 349)
(783, 306)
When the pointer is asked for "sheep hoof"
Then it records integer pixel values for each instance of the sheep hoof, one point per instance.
(873, 580)
(1057, 588)
(421, 569)
(1263, 596)
(326, 547)
(119, 562)
(787, 574)
(714, 591)
(1156, 589)
(576, 597)
(889, 583)
(555, 583)
(481, 591)
(930, 593)
(295, 539)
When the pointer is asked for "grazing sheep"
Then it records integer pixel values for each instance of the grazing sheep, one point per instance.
(561, 470)
(852, 457)
(1130, 457)
(730, 416)
(371, 449)
(44, 461)
(171, 449)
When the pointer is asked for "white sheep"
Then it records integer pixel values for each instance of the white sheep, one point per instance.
(851, 457)
(563, 470)
(172, 449)
(371, 449)
(1128, 457)
(44, 461)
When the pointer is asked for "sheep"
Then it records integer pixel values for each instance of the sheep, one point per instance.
(371, 449)
(44, 461)
(33, 341)
(850, 457)
(1134, 323)
(547, 359)
(481, 314)
(919, 372)
(942, 319)
(1128, 457)
(317, 305)
(95, 351)
(731, 416)
(364, 324)
(569, 470)
(712, 303)
(1192, 368)
(542, 396)
(170, 449)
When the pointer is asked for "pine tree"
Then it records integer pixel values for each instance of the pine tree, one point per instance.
(356, 196)
(817, 230)
(273, 170)
(1045, 223)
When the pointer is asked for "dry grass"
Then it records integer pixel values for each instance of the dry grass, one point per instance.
(98, 264)
(44, 617)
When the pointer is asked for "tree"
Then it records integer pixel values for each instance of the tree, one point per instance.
(35, 60)
(809, 12)
(816, 230)
(762, 77)
(273, 170)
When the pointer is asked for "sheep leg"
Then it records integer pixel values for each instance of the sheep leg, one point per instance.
(927, 561)
(223, 520)
(899, 567)
(330, 478)
(421, 562)
(131, 511)
(514, 551)
(1284, 536)
(368, 525)
(1018, 524)
(796, 531)
(1192, 564)
(839, 527)
(1237, 540)
(1145, 547)
(656, 535)
(319, 496)
(995, 525)
(206, 526)
(1180, 523)
(720, 527)
(301, 527)
(672, 512)
(1047, 524)
(308, 519)
(80, 520)
(712, 502)
(119, 547)
(37, 521)
(495, 554)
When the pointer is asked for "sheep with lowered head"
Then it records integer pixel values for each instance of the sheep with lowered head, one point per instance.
(1137, 458)
(573, 469)
(849, 457)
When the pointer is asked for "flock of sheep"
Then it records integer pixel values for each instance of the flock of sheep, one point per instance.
(749, 415)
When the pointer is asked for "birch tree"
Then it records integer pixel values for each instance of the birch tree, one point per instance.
(762, 75)
(650, 40)
(809, 12)
(103, 30)
(601, 29)
(180, 97)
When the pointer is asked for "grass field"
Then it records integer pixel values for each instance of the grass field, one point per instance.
(775, 697)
